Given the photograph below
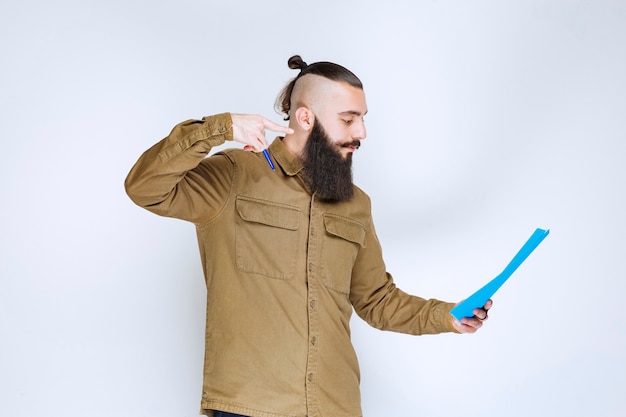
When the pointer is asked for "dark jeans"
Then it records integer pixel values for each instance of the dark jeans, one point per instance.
(225, 414)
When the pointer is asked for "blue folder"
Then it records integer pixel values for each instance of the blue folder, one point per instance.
(480, 297)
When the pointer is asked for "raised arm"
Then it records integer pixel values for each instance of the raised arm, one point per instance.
(174, 178)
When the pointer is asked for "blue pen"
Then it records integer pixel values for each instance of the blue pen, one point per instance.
(269, 160)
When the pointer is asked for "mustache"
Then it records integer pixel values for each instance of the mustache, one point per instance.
(355, 143)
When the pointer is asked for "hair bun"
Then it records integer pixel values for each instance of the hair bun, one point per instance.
(296, 62)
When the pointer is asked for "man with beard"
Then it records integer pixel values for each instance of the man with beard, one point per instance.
(287, 253)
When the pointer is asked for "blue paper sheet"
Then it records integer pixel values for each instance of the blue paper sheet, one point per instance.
(480, 297)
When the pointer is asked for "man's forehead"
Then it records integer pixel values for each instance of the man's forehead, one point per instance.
(349, 102)
(345, 99)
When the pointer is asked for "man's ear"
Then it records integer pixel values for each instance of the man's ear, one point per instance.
(305, 118)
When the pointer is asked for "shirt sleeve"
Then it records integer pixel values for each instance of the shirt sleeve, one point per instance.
(378, 301)
(174, 178)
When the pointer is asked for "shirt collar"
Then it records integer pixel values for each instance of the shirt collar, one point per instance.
(289, 162)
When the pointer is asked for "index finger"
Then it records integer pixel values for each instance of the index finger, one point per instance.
(274, 127)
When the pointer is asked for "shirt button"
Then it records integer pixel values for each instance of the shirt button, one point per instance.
(313, 340)
(222, 129)
(312, 303)
(310, 377)
(310, 267)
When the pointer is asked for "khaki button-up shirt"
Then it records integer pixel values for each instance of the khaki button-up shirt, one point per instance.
(283, 273)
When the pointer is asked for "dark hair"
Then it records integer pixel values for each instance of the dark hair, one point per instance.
(328, 70)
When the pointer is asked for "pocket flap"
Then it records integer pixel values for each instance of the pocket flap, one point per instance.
(345, 228)
(268, 212)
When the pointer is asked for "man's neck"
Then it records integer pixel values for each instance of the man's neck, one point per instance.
(295, 143)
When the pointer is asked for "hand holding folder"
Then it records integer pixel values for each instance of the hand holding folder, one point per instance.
(480, 297)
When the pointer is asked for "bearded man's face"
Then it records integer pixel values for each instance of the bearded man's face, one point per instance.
(327, 170)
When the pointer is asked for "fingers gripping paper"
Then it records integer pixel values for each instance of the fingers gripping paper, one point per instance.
(480, 297)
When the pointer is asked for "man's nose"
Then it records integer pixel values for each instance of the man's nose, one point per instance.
(360, 132)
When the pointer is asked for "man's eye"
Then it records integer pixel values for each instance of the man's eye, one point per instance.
(347, 121)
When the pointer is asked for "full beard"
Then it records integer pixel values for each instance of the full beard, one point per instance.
(328, 173)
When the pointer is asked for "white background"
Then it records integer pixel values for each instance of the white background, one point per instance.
(486, 120)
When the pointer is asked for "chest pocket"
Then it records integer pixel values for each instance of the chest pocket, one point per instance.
(266, 236)
(344, 237)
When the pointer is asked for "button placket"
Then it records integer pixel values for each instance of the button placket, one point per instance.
(313, 313)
